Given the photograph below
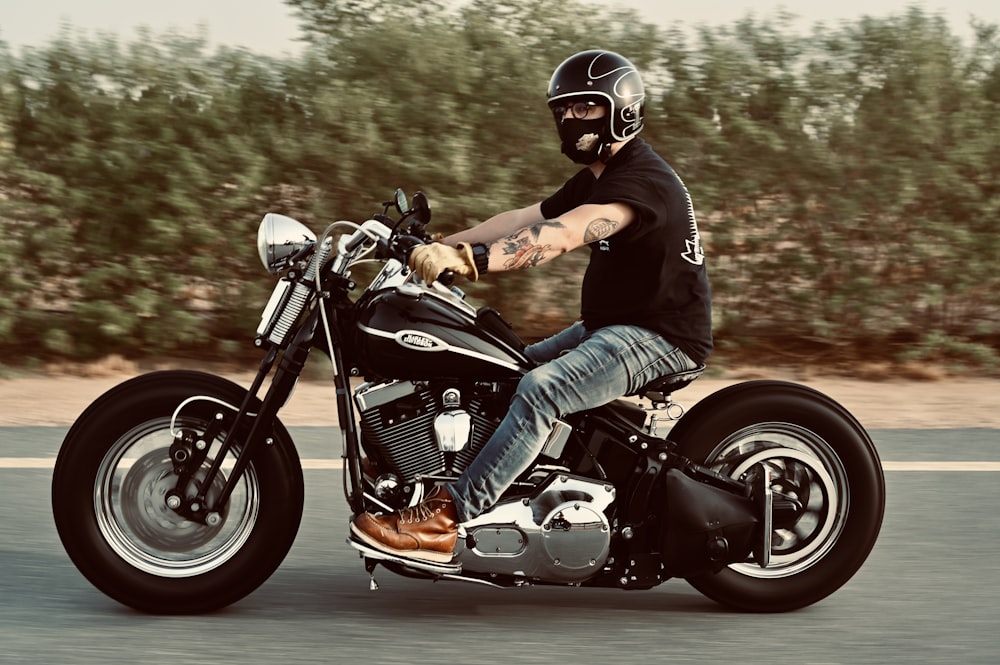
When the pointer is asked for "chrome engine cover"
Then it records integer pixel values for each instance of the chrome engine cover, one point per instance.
(560, 535)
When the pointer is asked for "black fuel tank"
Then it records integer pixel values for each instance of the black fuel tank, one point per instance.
(413, 333)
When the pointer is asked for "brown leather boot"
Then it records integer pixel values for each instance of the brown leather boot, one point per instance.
(426, 531)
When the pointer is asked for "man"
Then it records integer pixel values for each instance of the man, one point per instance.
(645, 302)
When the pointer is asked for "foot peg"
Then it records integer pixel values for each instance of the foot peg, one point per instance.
(415, 564)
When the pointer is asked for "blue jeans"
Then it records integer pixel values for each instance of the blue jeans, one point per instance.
(581, 369)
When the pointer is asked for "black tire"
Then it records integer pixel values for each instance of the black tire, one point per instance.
(107, 499)
(819, 452)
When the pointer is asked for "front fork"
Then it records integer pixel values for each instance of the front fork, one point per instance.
(190, 449)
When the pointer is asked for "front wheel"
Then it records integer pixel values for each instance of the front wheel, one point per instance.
(112, 487)
(818, 455)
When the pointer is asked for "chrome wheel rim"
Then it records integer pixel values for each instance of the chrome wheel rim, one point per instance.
(130, 505)
(803, 466)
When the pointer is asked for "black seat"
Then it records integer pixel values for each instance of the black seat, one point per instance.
(659, 390)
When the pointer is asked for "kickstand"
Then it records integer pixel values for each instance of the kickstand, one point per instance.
(370, 565)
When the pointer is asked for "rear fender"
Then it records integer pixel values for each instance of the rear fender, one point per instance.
(707, 407)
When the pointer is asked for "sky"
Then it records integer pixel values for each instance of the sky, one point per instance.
(269, 27)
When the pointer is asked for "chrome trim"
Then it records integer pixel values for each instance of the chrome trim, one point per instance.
(369, 396)
(279, 238)
(566, 533)
(268, 317)
(416, 564)
(764, 559)
(390, 276)
(462, 578)
(453, 430)
(557, 439)
(445, 347)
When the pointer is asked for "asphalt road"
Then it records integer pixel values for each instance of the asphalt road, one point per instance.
(928, 594)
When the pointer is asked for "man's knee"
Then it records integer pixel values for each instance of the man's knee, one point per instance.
(537, 388)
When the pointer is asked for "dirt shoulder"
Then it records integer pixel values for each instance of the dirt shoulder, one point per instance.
(945, 403)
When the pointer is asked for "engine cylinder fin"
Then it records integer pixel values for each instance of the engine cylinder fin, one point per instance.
(401, 432)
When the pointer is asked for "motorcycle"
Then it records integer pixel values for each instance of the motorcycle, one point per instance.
(182, 492)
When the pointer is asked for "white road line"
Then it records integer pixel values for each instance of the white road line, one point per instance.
(332, 464)
(26, 463)
(941, 466)
(322, 464)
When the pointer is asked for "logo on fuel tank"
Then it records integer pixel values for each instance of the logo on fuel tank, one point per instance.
(419, 341)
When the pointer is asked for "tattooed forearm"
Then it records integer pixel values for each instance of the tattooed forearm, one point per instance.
(524, 253)
(526, 247)
(536, 229)
(599, 229)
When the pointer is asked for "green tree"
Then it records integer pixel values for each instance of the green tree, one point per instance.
(133, 184)
(847, 181)
(845, 178)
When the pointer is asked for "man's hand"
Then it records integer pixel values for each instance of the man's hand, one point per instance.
(431, 260)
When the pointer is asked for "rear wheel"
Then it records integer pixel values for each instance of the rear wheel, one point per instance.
(818, 455)
(114, 506)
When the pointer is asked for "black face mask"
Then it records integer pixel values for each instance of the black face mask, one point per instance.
(583, 140)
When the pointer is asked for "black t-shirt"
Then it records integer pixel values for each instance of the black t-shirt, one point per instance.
(652, 272)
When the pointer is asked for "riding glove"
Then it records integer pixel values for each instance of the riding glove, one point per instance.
(429, 261)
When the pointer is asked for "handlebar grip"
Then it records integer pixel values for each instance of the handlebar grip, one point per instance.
(401, 247)
(447, 278)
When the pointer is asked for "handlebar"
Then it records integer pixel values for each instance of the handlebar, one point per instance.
(403, 245)
(394, 239)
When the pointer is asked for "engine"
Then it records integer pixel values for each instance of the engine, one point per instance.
(415, 430)
(559, 534)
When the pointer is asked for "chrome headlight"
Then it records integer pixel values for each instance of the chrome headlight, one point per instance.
(279, 238)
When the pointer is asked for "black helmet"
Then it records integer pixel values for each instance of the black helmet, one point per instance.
(609, 76)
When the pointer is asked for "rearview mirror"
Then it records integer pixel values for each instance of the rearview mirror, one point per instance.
(402, 204)
(421, 209)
